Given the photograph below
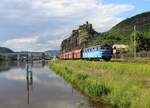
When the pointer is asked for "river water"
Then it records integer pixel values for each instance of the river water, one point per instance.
(41, 89)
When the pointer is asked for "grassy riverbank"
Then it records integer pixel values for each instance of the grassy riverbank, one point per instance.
(125, 85)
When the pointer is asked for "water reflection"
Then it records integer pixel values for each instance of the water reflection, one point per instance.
(22, 65)
(50, 90)
(29, 77)
(43, 63)
(6, 66)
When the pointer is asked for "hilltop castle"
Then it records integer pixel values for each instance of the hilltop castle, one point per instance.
(78, 38)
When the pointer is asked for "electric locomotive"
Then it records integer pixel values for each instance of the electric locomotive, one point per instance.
(95, 52)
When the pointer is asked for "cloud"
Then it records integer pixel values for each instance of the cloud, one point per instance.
(32, 43)
(52, 20)
(20, 41)
(54, 42)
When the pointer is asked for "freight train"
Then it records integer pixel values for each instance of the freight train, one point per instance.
(96, 52)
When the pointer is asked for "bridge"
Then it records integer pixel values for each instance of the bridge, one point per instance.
(20, 56)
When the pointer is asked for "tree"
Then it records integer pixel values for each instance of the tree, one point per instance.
(143, 41)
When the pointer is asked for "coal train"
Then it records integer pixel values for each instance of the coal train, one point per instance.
(95, 52)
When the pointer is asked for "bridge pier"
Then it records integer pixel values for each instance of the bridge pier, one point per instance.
(18, 57)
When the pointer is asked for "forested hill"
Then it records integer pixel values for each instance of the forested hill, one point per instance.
(142, 22)
(122, 33)
(5, 50)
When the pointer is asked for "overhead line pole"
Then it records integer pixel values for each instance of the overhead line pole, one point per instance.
(134, 41)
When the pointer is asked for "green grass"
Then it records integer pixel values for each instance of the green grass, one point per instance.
(125, 85)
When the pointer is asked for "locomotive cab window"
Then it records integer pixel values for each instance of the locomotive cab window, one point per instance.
(108, 48)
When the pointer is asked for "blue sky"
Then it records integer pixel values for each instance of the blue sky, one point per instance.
(139, 6)
(39, 25)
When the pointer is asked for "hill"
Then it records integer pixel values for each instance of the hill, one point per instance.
(5, 50)
(122, 33)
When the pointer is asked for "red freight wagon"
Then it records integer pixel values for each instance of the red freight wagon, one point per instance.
(77, 54)
(70, 55)
(66, 55)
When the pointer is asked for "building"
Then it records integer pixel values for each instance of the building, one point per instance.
(120, 48)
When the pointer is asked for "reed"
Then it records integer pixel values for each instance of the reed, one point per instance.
(125, 85)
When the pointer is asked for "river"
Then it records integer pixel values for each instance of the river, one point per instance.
(41, 89)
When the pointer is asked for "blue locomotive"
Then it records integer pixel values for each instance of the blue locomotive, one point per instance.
(95, 52)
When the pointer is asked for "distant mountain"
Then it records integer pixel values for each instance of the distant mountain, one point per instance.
(52, 53)
(5, 50)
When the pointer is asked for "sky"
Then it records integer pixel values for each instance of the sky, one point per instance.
(40, 25)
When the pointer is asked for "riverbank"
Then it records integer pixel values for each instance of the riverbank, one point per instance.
(125, 85)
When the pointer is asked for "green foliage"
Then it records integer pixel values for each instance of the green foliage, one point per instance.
(122, 84)
(143, 41)
(120, 37)
(122, 33)
(82, 76)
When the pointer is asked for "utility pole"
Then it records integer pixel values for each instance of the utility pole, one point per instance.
(134, 41)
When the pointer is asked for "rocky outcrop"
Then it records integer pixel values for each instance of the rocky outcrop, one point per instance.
(78, 38)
